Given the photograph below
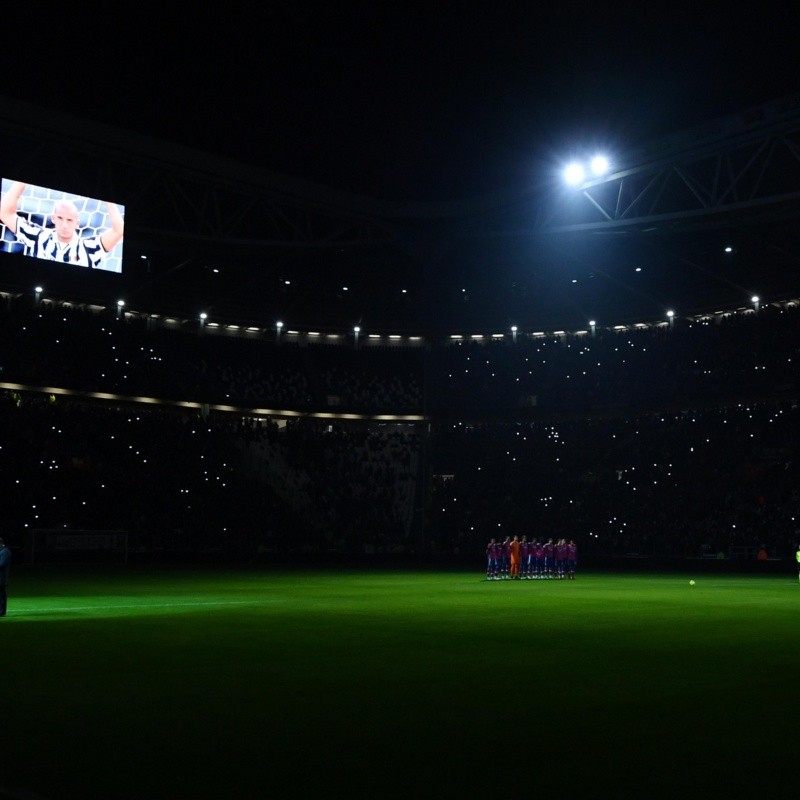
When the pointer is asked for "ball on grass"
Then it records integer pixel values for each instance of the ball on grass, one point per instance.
(691, 583)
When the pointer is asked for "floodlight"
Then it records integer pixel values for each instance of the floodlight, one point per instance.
(574, 174)
(599, 165)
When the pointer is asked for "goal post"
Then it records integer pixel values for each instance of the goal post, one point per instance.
(64, 546)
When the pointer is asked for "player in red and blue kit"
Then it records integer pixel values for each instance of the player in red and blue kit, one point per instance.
(538, 559)
(505, 558)
(492, 561)
(547, 559)
(572, 558)
(525, 558)
(561, 558)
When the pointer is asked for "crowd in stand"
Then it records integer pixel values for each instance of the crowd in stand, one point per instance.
(738, 356)
(675, 484)
(69, 347)
(667, 441)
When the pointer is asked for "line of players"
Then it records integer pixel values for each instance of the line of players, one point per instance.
(519, 559)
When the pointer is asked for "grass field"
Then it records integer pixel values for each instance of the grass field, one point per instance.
(140, 683)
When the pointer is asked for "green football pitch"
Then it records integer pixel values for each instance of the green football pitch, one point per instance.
(183, 683)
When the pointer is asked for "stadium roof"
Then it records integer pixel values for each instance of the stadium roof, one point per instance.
(409, 155)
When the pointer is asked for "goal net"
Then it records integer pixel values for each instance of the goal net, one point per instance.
(76, 546)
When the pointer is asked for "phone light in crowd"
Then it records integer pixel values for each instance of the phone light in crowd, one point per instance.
(755, 299)
(38, 296)
(120, 306)
(593, 326)
(514, 333)
(203, 318)
(671, 317)
(356, 331)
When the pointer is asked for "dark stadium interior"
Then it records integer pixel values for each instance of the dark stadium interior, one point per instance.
(493, 303)
(363, 327)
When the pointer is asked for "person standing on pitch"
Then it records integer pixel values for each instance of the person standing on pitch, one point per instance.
(5, 567)
(515, 556)
(547, 569)
(491, 561)
(797, 558)
(572, 558)
(505, 558)
(525, 558)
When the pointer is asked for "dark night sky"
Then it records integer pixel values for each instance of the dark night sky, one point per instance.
(398, 100)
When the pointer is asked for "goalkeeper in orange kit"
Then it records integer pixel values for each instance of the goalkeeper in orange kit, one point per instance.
(515, 558)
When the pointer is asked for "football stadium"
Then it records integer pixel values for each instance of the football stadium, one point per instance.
(264, 432)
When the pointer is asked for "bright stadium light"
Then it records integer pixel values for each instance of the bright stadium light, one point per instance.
(599, 165)
(574, 174)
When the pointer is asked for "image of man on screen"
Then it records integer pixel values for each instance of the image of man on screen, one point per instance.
(63, 242)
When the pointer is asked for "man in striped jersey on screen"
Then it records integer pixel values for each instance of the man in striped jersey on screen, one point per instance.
(63, 241)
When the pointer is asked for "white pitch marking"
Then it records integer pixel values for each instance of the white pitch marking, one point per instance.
(138, 605)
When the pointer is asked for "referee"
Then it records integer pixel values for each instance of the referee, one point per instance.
(5, 568)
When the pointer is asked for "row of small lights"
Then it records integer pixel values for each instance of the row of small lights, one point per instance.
(755, 299)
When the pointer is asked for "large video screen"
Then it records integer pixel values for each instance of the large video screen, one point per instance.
(54, 225)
